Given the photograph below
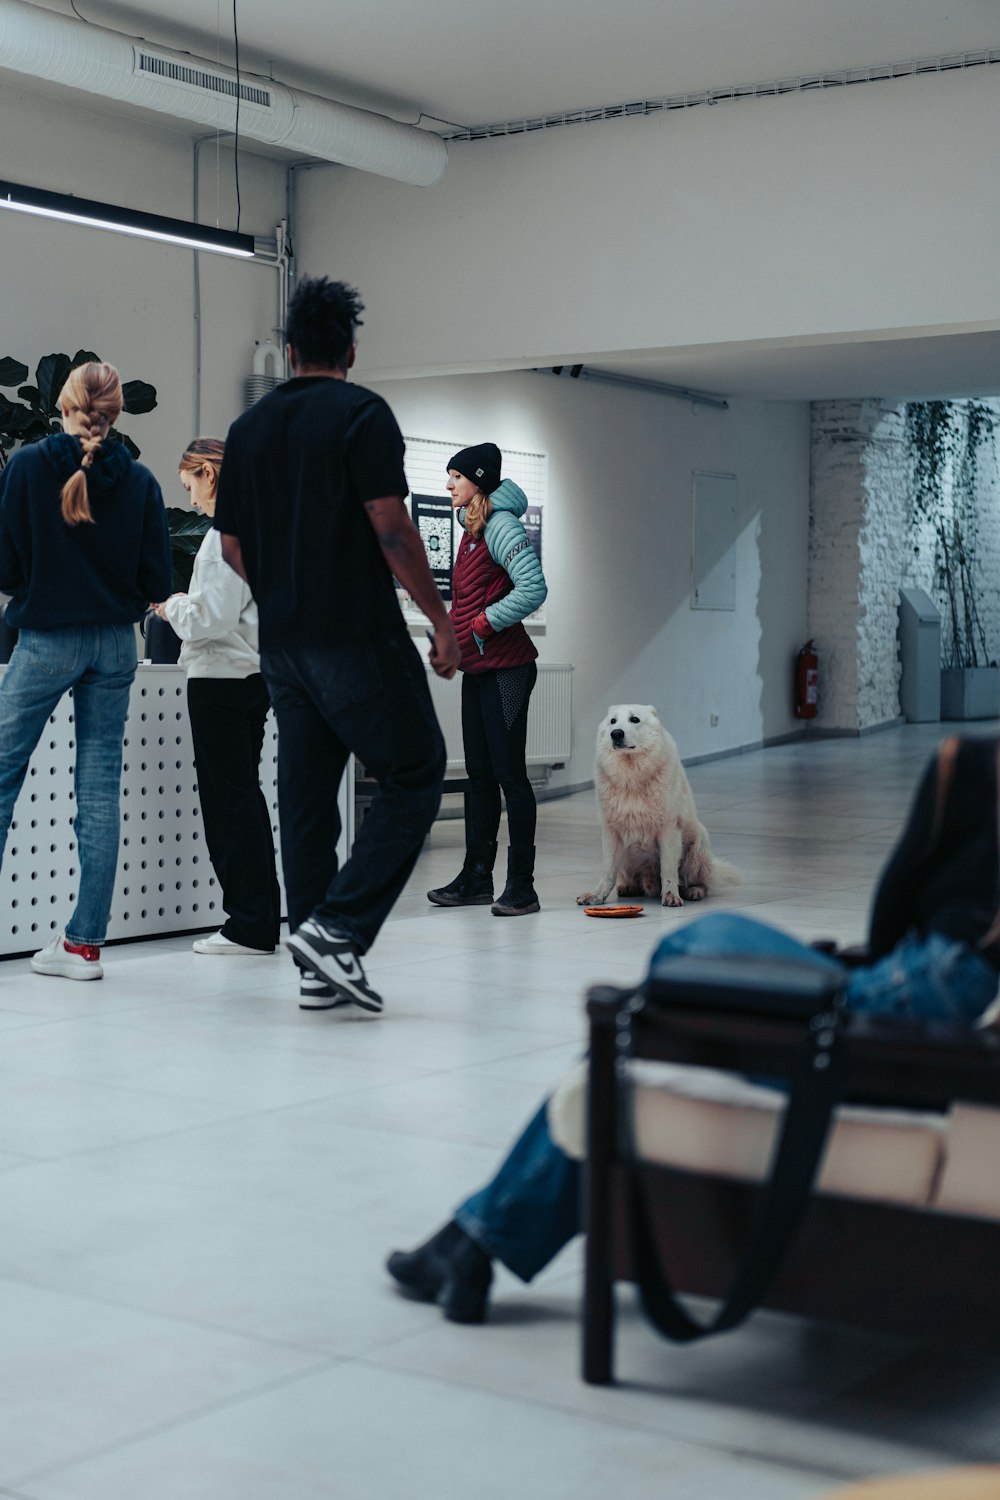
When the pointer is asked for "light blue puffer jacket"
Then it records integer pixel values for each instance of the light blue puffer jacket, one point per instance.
(509, 546)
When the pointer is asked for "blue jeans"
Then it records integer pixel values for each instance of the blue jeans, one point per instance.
(368, 698)
(531, 1208)
(97, 662)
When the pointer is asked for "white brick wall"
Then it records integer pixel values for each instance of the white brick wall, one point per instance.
(918, 563)
(862, 548)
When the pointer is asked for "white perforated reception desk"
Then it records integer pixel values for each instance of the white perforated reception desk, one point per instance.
(165, 879)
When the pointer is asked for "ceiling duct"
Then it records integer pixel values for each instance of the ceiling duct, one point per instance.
(103, 62)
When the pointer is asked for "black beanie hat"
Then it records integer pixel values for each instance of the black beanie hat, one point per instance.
(481, 464)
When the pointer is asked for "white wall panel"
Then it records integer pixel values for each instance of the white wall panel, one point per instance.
(843, 213)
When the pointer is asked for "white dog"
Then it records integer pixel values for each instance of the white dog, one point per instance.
(654, 844)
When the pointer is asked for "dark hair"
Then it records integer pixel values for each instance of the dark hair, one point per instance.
(323, 316)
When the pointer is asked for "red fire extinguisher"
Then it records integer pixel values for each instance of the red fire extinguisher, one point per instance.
(806, 681)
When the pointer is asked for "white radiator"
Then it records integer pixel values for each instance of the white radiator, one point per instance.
(550, 716)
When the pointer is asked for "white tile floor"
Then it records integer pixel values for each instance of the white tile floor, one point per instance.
(199, 1184)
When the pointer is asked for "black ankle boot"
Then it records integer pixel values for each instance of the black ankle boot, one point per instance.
(474, 886)
(519, 896)
(449, 1269)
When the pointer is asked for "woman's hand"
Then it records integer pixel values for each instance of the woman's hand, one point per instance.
(158, 609)
(482, 627)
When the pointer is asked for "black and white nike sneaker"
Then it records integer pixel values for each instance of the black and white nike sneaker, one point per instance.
(316, 994)
(333, 959)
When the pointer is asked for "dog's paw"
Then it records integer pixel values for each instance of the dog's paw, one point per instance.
(589, 898)
(671, 898)
(694, 892)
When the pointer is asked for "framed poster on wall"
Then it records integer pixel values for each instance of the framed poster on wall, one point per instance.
(433, 518)
(430, 507)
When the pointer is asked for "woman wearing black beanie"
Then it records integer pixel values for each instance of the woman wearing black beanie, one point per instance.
(497, 581)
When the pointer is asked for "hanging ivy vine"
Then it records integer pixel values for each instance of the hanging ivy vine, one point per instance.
(949, 441)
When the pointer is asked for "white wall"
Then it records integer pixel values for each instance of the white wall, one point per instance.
(67, 287)
(858, 547)
(617, 544)
(813, 215)
(619, 506)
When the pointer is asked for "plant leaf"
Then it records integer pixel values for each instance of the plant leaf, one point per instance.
(186, 527)
(85, 357)
(123, 437)
(139, 396)
(50, 377)
(13, 416)
(29, 393)
(12, 372)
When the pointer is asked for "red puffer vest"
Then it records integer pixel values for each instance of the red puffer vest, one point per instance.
(477, 581)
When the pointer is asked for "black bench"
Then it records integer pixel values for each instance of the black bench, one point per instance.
(366, 786)
(921, 1272)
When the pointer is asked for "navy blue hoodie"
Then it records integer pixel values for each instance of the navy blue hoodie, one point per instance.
(91, 574)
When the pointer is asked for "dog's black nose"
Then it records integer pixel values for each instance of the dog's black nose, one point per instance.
(617, 735)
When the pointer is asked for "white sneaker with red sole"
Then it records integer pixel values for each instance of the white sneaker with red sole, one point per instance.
(68, 960)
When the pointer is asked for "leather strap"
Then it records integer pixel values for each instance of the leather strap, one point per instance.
(815, 1089)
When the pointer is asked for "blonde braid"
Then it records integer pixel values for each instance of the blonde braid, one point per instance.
(91, 442)
(75, 499)
(91, 390)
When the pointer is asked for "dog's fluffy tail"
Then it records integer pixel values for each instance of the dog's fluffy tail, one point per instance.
(725, 877)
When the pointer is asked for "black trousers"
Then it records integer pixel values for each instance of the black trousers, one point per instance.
(494, 732)
(227, 728)
(367, 697)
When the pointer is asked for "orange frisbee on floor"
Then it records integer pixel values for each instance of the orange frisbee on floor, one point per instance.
(613, 911)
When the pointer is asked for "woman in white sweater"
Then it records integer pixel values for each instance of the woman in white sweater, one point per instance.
(228, 704)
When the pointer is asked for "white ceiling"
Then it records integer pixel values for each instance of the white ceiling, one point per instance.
(944, 365)
(472, 62)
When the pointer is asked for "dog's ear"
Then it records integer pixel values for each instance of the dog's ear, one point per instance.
(651, 711)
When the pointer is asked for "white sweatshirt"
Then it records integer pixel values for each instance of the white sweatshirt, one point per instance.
(216, 619)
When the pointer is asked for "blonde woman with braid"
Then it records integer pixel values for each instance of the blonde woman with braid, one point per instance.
(83, 546)
(228, 704)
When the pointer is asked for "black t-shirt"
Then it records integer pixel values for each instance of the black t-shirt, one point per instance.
(298, 469)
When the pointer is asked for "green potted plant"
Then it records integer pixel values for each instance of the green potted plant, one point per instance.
(948, 443)
(35, 415)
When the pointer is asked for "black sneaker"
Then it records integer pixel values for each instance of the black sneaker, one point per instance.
(333, 958)
(316, 994)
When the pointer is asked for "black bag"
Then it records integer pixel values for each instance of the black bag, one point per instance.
(783, 988)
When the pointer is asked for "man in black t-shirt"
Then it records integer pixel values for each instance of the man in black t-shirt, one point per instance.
(311, 507)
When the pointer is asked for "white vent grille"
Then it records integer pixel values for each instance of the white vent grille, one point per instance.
(66, 50)
(198, 78)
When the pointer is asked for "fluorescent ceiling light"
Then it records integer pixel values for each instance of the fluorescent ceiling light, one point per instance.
(73, 210)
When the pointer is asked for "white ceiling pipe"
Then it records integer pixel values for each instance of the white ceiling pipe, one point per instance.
(99, 61)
